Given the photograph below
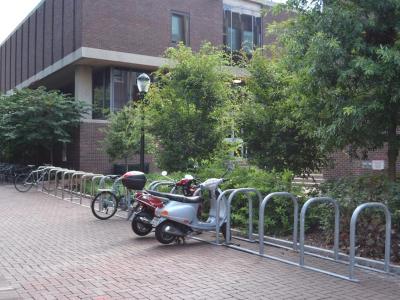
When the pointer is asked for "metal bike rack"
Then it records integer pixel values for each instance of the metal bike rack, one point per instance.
(55, 169)
(104, 180)
(60, 173)
(220, 198)
(247, 192)
(71, 182)
(83, 185)
(353, 224)
(302, 223)
(155, 185)
(261, 219)
(150, 187)
(94, 178)
(44, 171)
(336, 234)
(69, 172)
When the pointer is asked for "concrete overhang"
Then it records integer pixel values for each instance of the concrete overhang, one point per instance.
(58, 74)
(94, 57)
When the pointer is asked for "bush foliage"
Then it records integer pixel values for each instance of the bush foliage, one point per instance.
(123, 133)
(186, 106)
(351, 192)
(33, 121)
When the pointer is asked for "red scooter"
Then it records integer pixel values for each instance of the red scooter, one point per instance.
(148, 203)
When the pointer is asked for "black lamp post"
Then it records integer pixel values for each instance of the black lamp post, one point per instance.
(143, 84)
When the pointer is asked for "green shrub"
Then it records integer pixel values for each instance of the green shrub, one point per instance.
(279, 213)
(351, 192)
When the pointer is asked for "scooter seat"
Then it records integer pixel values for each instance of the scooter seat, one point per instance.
(175, 197)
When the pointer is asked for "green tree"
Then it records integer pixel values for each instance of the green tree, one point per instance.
(274, 139)
(36, 119)
(187, 106)
(122, 135)
(344, 61)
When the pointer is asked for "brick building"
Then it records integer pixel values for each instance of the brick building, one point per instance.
(94, 49)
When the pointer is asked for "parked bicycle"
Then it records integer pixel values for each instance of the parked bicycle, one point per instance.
(123, 194)
(8, 171)
(106, 203)
(24, 182)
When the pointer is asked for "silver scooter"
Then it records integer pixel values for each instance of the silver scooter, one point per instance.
(179, 217)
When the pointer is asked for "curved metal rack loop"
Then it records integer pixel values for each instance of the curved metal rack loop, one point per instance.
(353, 224)
(263, 204)
(302, 223)
(65, 174)
(236, 192)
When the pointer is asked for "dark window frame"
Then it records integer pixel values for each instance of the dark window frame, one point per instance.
(186, 27)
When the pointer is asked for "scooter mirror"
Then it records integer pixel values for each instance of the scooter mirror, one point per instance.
(164, 173)
(189, 177)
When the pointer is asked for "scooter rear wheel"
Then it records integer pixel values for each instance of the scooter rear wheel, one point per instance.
(162, 236)
(140, 228)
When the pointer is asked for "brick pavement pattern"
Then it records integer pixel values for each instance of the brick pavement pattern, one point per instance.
(52, 249)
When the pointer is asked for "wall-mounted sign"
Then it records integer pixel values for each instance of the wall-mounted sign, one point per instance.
(366, 164)
(378, 164)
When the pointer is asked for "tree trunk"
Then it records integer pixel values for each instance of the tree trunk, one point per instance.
(393, 146)
(126, 164)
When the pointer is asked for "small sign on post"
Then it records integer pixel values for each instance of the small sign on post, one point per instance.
(378, 164)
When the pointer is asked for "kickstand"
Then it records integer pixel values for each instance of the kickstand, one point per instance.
(180, 240)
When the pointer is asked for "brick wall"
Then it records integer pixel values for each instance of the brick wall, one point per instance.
(343, 165)
(143, 26)
(48, 34)
(92, 157)
(270, 18)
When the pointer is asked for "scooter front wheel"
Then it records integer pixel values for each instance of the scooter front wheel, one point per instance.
(162, 236)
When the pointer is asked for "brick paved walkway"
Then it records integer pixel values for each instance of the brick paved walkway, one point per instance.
(51, 249)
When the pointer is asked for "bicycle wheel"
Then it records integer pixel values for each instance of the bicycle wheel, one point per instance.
(104, 205)
(23, 182)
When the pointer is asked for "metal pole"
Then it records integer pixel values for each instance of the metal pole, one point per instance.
(142, 135)
(250, 217)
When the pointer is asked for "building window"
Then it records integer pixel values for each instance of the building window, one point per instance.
(179, 28)
(113, 88)
(242, 31)
(101, 94)
(124, 87)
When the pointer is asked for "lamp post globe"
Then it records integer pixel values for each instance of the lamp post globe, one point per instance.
(143, 84)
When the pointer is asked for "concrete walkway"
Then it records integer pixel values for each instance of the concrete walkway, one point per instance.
(7, 292)
(52, 249)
